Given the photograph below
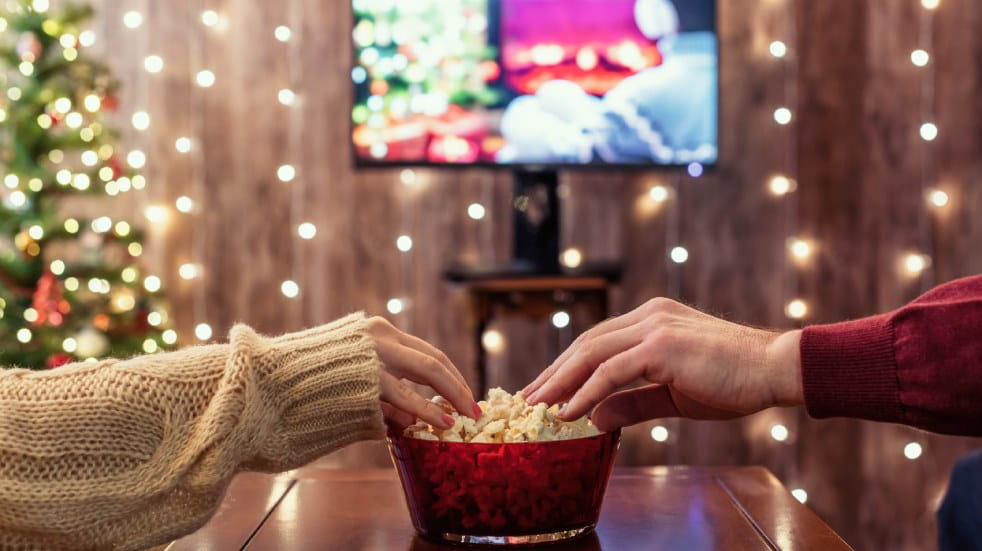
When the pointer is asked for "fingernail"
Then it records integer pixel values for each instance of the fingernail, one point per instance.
(531, 398)
(447, 421)
(563, 410)
(477, 410)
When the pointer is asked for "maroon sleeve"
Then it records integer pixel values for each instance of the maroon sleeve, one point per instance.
(920, 365)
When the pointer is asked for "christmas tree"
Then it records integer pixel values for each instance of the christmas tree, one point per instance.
(70, 285)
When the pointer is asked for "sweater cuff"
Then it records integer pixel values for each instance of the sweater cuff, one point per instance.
(849, 370)
(326, 380)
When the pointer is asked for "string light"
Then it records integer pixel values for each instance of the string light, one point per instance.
(283, 33)
(307, 231)
(286, 96)
(152, 284)
(74, 120)
(136, 159)
(476, 211)
(915, 263)
(394, 306)
(69, 345)
(169, 336)
(205, 78)
(782, 116)
(86, 38)
(286, 173)
(930, 4)
(778, 49)
(560, 319)
(658, 194)
(659, 433)
(913, 450)
(155, 213)
(571, 257)
(182, 144)
(92, 103)
(937, 198)
(929, 131)
(209, 18)
(141, 120)
(779, 432)
(800, 248)
(796, 309)
(800, 494)
(153, 64)
(407, 176)
(202, 331)
(290, 289)
(781, 185)
(404, 243)
(679, 255)
(57, 267)
(24, 335)
(493, 341)
(919, 58)
(189, 271)
(132, 19)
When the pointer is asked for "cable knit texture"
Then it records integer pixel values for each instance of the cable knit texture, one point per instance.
(130, 454)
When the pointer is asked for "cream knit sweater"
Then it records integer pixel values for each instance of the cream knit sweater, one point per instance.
(130, 454)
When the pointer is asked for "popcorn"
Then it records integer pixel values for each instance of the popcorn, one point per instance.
(507, 418)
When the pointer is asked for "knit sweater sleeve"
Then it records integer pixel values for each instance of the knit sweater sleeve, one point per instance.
(129, 454)
(920, 365)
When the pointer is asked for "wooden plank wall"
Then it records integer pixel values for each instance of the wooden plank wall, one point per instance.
(853, 140)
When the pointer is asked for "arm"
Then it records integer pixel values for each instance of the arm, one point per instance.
(127, 454)
(920, 365)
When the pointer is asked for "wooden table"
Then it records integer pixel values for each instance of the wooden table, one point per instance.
(685, 508)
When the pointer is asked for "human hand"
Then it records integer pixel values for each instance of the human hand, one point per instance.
(404, 356)
(701, 367)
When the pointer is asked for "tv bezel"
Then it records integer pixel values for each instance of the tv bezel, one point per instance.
(363, 164)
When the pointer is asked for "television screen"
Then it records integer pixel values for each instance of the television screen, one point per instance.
(534, 82)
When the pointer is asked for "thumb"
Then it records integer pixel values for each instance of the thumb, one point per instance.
(628, 407)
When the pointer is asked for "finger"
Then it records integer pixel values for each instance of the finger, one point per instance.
(603, 328)
(396, 418)
(610, 376)
(580, 366)
(418, 367)
(628, 407)
(400, 396)
(413, 341)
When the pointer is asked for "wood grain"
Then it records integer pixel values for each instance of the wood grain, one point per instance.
(860, 170)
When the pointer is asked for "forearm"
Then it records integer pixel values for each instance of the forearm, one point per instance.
(133, 453)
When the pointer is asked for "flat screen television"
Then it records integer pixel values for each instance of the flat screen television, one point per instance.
(555, 83)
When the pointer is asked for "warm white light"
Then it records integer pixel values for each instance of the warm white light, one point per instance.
(929, 131)
(202, 331)
(919, 58)
(800, 248)
(24, 335)
(57, 267)
(71, 225)
(796, 309)
(132, 19)
(779, 432)
(493, 341)
(40, 6)
(286, 173)
(937, 198)
(136, 159)
(90, 158)
(913, 450)
(141, 120)
(394, 306)
(286, 96)
(283, 33)
(307, 230)
(26, 68)
(36, 232)
(150, 346)
(205, 78)
(102, 224)
(188, 270)
(679, 255)
(404, 243)
(129, 274)
(69, 345)
(92, 103)
(152, 284)
(915, 263)
(560, 319)
(182, 144)
(782, 115)
(86, 38)
(930, 4)
(30, 315)
(571, 257)
(476, 211)
(155, 318)
(209, 18)
(658, 194)
(184, 204)
(800, 494)
(169, 336)
(63, 105)
(153, 64)
(407, 176)
(778, 48)
(290, 289)
(122, 228)
(155, 213)
(74, 120)
(659, 433)
(781, 185)
(81, 181)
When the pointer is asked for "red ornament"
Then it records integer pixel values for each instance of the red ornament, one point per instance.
(47, 300)
(110, 102)
(57, 360)
(116, 166)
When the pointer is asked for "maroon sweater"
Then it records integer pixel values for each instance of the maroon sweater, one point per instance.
(920, 365)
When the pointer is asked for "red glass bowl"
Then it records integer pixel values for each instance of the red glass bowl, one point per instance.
(504, 494)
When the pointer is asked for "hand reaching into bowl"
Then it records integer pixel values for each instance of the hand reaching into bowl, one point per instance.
(404, 356)
(699, 366)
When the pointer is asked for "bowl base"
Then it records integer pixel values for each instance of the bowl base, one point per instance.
(516, 541)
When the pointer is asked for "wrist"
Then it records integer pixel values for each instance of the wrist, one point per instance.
(784, 360)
